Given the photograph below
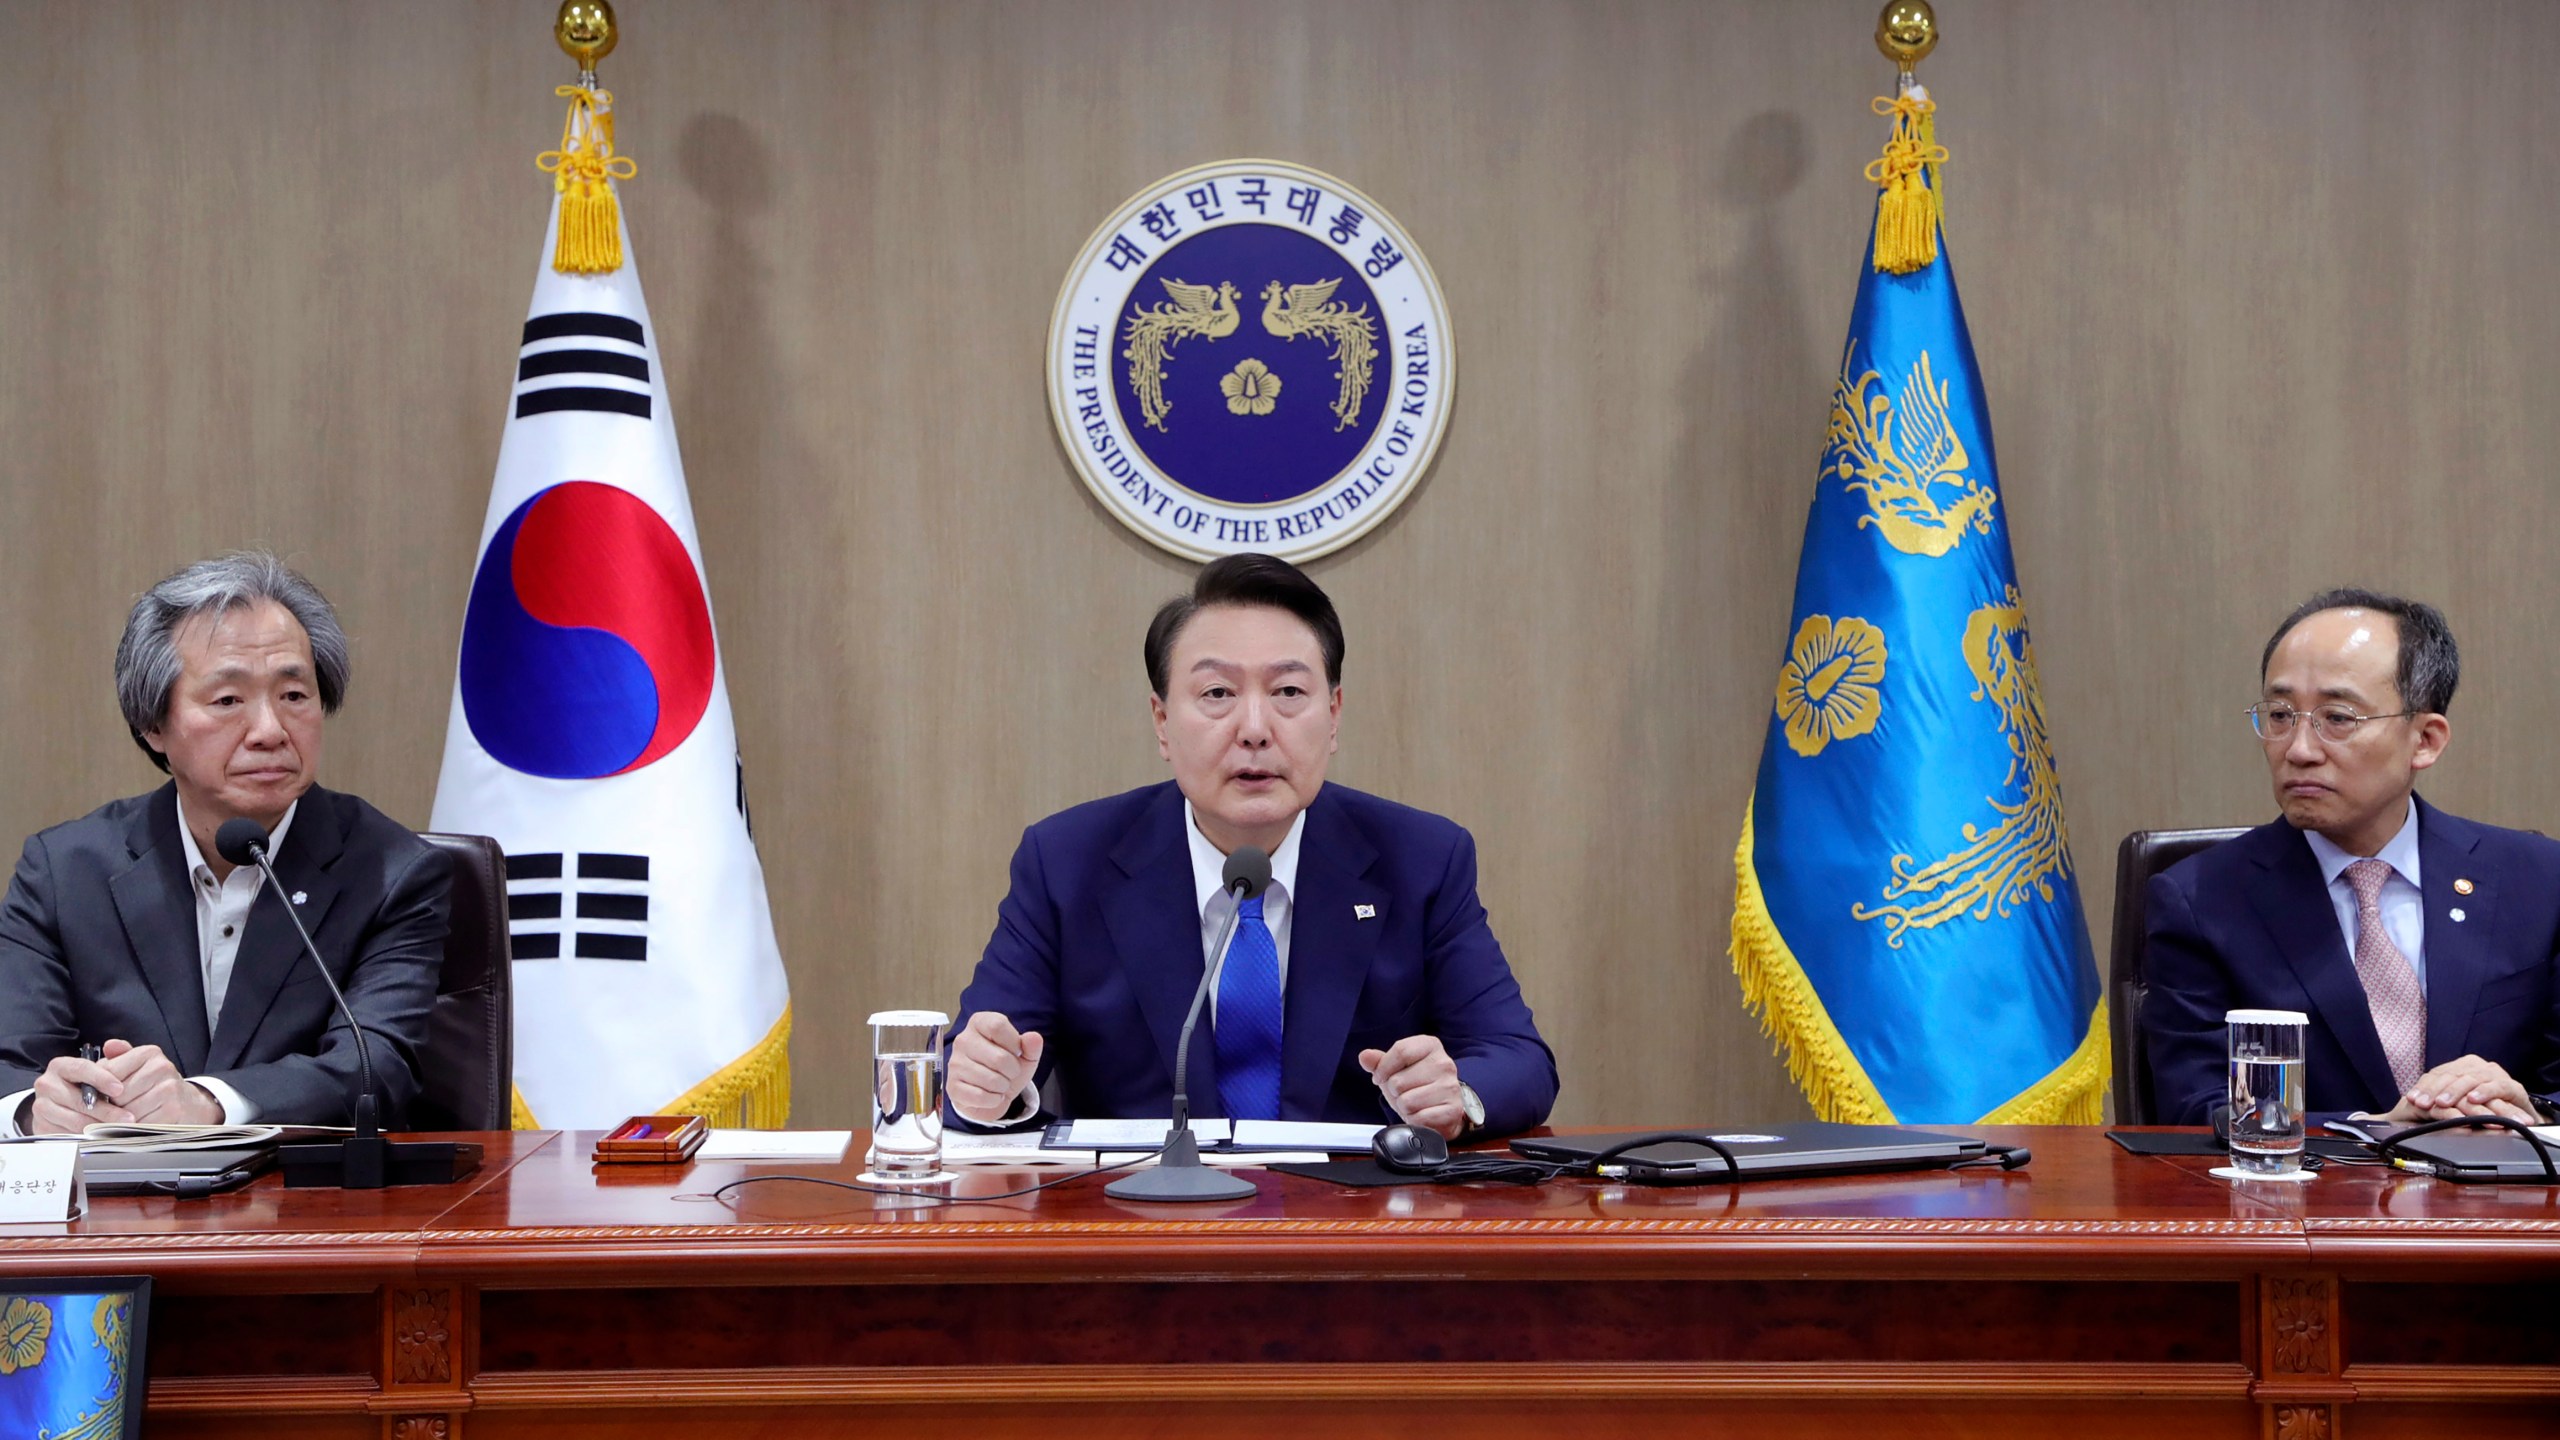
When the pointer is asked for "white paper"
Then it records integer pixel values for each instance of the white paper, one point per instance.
(40, 1181)
(1305, 1135)
(1137, 1134)
(1020, 1148)
(2549, 1134)
(775, 1145)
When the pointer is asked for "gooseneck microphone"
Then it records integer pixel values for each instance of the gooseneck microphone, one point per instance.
(364, 1160)
(1178, 1173)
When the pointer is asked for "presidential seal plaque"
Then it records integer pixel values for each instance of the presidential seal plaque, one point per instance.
(1250, 355)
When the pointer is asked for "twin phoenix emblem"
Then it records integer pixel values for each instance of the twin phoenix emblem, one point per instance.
(1250, 356)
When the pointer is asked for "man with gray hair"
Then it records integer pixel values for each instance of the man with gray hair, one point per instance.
(143, 978)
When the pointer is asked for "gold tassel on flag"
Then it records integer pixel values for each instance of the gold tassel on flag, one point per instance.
(1907, 205)
(583, 168)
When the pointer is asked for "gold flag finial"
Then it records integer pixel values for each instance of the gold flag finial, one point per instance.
(586, 31)
(1906, 32)
(585, 166)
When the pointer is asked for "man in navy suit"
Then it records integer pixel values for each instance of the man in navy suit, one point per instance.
(1363, 986)
(126, 929)
(2421, 945)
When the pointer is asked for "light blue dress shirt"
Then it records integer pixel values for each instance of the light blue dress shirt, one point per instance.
(2403, 902)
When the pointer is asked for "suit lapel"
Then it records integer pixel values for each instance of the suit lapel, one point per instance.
(270, 950)
(159, 915)
(2294, 906)
(2457, 953)
(1329, 954)
(1153, 914)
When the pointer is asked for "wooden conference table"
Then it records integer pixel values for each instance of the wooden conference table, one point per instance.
(2094, 1293)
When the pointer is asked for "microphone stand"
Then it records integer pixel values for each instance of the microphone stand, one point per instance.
(364, 1160)
(1178, 1174)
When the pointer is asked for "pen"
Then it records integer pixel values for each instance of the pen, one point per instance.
(88, 1092)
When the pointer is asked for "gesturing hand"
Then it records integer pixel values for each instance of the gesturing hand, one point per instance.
(991, 1065)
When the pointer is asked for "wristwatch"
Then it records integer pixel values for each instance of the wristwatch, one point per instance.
(1472, 1103)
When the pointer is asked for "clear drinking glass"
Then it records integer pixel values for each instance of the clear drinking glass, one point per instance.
(2266, 1090)
(906, 1094)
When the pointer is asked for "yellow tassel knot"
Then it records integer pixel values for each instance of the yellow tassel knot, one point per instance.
(1907, 207)
(582, 171)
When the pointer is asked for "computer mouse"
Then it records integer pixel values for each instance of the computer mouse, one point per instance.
(1410, 1149)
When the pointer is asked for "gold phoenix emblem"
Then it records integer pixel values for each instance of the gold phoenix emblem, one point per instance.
(1251, 388)
(1904, 456)
(1827, 690)
(1997, 868)
(24, 1327)
(1311, 310)
(1152, 333)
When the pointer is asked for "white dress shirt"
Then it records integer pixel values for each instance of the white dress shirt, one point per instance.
(1208, 871)
(222, 913)
(2403, 902)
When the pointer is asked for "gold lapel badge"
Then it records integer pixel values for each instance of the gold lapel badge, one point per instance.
(2461, 887)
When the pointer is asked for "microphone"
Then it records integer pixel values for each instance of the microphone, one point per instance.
(364, 1160)
(1178, 1173)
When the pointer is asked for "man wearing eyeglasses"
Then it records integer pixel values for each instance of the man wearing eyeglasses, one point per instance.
(2420, 944)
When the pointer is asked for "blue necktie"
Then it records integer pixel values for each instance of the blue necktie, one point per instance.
(1249, 1020)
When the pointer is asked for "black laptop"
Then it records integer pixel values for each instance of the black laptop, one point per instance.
(2492, 1155)
(187, 1173)
(1767, 1152)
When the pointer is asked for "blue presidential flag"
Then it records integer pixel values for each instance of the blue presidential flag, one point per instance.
(1906, 920)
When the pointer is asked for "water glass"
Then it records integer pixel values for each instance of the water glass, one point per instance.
(906, 1094)
(2266, 1090)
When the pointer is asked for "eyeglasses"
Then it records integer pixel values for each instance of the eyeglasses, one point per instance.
(2336, 724)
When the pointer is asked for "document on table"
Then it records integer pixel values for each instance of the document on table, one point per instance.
(810, 1145)
(1026, 1148)
(1248, 1135)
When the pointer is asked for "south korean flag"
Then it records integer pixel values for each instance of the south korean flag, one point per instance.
(591, 735)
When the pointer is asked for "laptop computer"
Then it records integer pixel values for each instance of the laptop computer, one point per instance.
(173, 1172)
(1767, 1152)
(2493, 1155)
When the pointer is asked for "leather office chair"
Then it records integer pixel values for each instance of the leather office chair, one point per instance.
(467, 1071)
(2143, 854)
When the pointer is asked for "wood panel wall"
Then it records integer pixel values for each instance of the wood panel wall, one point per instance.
(2263, 296)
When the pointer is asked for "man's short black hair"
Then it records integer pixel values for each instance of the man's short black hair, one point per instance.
(1246, 580)
(2430, 663)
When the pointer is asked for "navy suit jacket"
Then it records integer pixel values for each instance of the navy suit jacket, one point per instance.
(2248, 925)
(98, 941)
(1098, 949)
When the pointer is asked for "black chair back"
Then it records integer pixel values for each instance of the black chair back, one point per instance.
(467, 1071)
(2143, 854)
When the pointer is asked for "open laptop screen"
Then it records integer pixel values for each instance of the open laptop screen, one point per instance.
(71, 1357)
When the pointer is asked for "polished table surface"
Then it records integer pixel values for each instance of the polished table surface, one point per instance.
(2093, 1290)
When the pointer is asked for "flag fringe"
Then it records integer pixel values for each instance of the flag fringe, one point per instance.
(752, 1092)
(2074, 1094)
(1776, 989)
(519, 1114)
(582, 171)
(1907, 204)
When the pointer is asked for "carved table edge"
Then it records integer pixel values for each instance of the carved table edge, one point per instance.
(277, 1394)
(1113, 1384)
(2454, 1382)
(1388, 1230)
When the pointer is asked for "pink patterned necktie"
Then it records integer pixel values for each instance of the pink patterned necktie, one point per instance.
(2390, 982)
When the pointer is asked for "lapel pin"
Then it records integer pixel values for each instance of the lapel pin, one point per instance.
(2458, 916)
(1364, 912)
(2461, 887)
(300, 896)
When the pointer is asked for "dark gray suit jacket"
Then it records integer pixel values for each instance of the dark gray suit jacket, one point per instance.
(98, 942)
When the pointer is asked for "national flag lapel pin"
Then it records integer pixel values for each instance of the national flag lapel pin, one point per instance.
(1364, 912)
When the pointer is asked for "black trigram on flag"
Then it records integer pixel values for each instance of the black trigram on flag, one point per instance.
(602, 913)
(578, 361)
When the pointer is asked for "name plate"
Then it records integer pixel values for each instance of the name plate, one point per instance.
(40, 1181)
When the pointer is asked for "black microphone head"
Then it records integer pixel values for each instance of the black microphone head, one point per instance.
(237, 836)
(1248, 871)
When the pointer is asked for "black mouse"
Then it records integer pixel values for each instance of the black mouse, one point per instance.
(1410, 1149)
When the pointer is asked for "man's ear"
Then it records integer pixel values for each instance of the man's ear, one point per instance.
(1164, 743)
(2434, 733)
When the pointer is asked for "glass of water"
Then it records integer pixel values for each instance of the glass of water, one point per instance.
(2266, 1090)
(906, 1095)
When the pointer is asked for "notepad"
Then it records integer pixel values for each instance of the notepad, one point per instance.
(1251, 1135)
(775, 1145)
